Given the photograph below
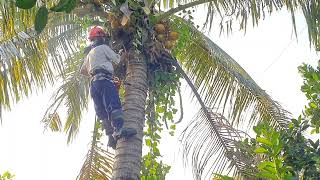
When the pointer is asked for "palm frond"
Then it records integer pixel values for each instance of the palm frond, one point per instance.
(28, 62)
(14, 20)
(211, 144)
(22, 65)
(246, 11)
(222, 83)
(311, 11)
(53, 121)
(72, 95)
(99, 162)
(211, 139)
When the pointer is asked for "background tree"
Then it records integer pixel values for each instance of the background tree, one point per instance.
(216, 79)
(6, 176)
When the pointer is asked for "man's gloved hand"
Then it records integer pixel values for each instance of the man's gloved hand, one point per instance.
(124, 56)
(117, 82)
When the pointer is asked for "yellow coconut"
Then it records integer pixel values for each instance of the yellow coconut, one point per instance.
(115, 24)
(161, 37)
(160, 28)
(173, 35)
(169, 44)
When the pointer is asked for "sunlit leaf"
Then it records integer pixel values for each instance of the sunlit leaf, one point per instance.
(260, 150)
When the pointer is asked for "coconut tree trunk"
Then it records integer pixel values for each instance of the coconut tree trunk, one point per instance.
(128, 153)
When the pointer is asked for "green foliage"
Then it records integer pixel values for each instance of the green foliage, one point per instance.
(300, 153)
(60, 7)
(283, 154)
(84, 22)
(25, 4)
(153, 170)
(311, 89)
(222, 177)
(161, 110)
(41, 19)
(7, 176)
(270, 144)
(64, 6)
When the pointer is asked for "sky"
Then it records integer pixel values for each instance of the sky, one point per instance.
(269, 53)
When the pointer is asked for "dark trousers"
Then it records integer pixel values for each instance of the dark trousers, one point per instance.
(106, 99)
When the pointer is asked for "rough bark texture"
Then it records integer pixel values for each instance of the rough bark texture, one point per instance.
(128, 154)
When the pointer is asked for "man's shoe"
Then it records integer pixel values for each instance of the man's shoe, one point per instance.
(124, 133)
(112, 142)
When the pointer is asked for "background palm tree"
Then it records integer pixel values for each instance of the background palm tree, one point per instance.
(30, 62)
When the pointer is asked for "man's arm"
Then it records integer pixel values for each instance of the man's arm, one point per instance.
(113, 56)
(84, 68)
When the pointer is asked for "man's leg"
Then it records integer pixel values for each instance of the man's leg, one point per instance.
(115, 111)
(109, 131)
(101, 112)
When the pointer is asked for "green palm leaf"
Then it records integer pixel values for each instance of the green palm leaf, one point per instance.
(222, 83)
(24, 64)
(72, 95)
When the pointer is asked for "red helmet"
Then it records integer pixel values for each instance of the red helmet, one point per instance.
(96, 32)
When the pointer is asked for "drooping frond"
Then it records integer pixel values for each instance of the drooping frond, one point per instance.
(72, 95)
(28, 62)
(99, 162)
(21, 66)
(250, 11)
(210, 143)
(222, 83)
(311, 11)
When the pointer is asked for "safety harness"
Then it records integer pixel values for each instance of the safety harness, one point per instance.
(100, 74)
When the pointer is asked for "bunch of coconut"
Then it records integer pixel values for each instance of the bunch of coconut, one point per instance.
(165, 35)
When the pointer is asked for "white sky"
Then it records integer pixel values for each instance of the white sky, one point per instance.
(31, 154)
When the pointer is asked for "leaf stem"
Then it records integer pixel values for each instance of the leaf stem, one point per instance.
(181, 8)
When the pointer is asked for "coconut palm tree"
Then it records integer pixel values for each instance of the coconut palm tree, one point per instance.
(41, 47)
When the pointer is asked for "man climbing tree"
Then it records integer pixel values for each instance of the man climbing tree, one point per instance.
(98, 65)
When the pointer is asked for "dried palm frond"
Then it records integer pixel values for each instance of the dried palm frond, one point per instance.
(99, 162)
